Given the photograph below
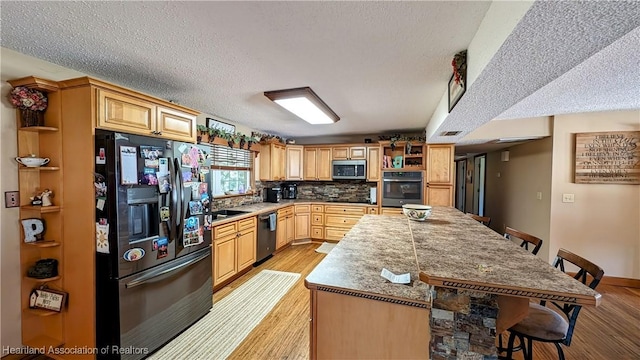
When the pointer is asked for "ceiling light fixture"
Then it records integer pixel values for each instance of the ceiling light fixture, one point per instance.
(305, 104)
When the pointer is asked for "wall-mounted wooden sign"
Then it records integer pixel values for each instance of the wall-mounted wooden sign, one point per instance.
(608, 158)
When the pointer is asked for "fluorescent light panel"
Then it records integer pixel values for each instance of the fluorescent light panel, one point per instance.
(305, 104)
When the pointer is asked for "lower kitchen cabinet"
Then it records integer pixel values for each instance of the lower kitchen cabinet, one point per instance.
(391, 211)
(439, 195)
(234, 248)
(285, 230)
(302, 222)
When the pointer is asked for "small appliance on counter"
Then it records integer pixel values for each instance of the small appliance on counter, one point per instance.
(274, 194)
(289, 191)
(373, 195)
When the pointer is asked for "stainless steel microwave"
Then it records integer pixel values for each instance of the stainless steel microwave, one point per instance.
(349, 169)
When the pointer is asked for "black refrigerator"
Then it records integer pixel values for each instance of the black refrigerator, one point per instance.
(154, 255)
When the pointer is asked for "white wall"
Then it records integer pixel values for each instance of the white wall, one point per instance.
(512, 187)
(603, 224)
(497, 24)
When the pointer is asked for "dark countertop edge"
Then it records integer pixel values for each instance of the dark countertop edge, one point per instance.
(367, 295)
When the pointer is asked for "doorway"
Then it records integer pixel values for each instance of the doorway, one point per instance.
(480, 172)
(461, 184)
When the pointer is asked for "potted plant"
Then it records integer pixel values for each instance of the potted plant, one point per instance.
(31, 103)
(213, 133)
(229, 137)
(202, 130)
(240, 139)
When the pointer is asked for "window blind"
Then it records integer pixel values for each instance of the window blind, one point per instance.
(224, 157)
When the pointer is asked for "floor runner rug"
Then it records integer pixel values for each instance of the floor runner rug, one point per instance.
(231, 319)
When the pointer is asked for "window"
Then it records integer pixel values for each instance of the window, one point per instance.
(231, 170)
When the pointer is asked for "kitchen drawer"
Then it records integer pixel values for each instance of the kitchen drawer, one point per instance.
(317, 232)
(225, 230)
(247, 223)
(285, 211)
(334, 233)
(340, 220)
(347, 210)
(392, 211)
(317, 208)
(372, 210)
(317, 219)
(302, 209)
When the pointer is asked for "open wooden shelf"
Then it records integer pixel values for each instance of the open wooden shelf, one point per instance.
(38, 128)
(41, 209)
(43, 341)
(413, 156)
(43, 280)
(41, 312)
(40, 168)
(43, 243)
(406, 168)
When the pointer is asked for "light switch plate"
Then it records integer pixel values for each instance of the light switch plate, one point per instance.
(539, 195)
(11, 199)
(567, 198)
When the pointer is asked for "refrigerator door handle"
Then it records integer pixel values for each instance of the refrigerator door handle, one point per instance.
(148, 277)
(180, 200)
(174, 200)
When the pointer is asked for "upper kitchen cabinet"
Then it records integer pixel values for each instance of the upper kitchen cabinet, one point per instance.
(373, 163)
(295, 155)
(402, 155)
(440, 164)
(272, 162)
(349, 153)
(317, 163)
(120, 109)
(439, 188)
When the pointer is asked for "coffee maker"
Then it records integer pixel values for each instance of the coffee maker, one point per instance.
(290, 191)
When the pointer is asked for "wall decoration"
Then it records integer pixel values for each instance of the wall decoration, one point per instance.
(45, 298)
(458, 80)
(33, 229)
(608, 158)
(215, 124)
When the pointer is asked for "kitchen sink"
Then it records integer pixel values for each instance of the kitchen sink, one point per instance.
(221, 214)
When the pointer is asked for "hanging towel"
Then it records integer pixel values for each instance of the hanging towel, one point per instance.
(272, 222)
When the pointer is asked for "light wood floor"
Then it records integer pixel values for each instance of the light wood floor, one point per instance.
(610, 331)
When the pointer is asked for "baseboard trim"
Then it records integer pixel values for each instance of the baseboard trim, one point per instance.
(617, 281)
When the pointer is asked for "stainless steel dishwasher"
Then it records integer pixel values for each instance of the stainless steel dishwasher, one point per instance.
(266, 239)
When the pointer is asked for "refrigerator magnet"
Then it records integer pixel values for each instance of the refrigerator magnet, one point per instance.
(134, 254)
(164, 213)
(207, 222)
(102, 238)
(100, 158)
(163, 165)
(195, 156)
(164, 182)
(195, 207)
(129, 165)
(163, 247)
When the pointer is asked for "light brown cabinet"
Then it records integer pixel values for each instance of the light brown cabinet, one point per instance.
(391, 211)
(130, 113)
(349, 153)
(272, 162)
(285, 230)
(402, 155)
(44, 328)
(439, 188)
(295, 155)
(234, 248)
(373, 163)
(317, 163)
(302, 222)
(372, 210)
(339, 219)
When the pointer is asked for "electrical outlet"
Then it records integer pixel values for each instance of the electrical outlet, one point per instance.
(567, 198)
(11, 199)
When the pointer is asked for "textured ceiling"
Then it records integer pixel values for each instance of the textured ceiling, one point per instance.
(382, 66)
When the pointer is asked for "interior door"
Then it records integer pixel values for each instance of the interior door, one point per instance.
(479, 184)
(461, 184)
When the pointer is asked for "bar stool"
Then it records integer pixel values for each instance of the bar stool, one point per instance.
(527, 239)
(482, 219)
(546, 325)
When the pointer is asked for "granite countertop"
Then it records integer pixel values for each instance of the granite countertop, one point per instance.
(375, 242)
(449, 247)
(452, 246)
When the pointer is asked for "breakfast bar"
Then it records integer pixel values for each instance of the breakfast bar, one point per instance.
(468, 284)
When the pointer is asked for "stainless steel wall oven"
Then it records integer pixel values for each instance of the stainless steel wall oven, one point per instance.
(399, 188)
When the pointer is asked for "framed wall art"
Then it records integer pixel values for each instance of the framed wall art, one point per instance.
(458, 80)
(608, 158)
(215, 124)
(45, 298)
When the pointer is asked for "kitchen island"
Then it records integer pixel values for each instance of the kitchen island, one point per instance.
(467, 284)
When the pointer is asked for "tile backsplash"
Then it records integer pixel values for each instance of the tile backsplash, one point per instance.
(347, 191)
